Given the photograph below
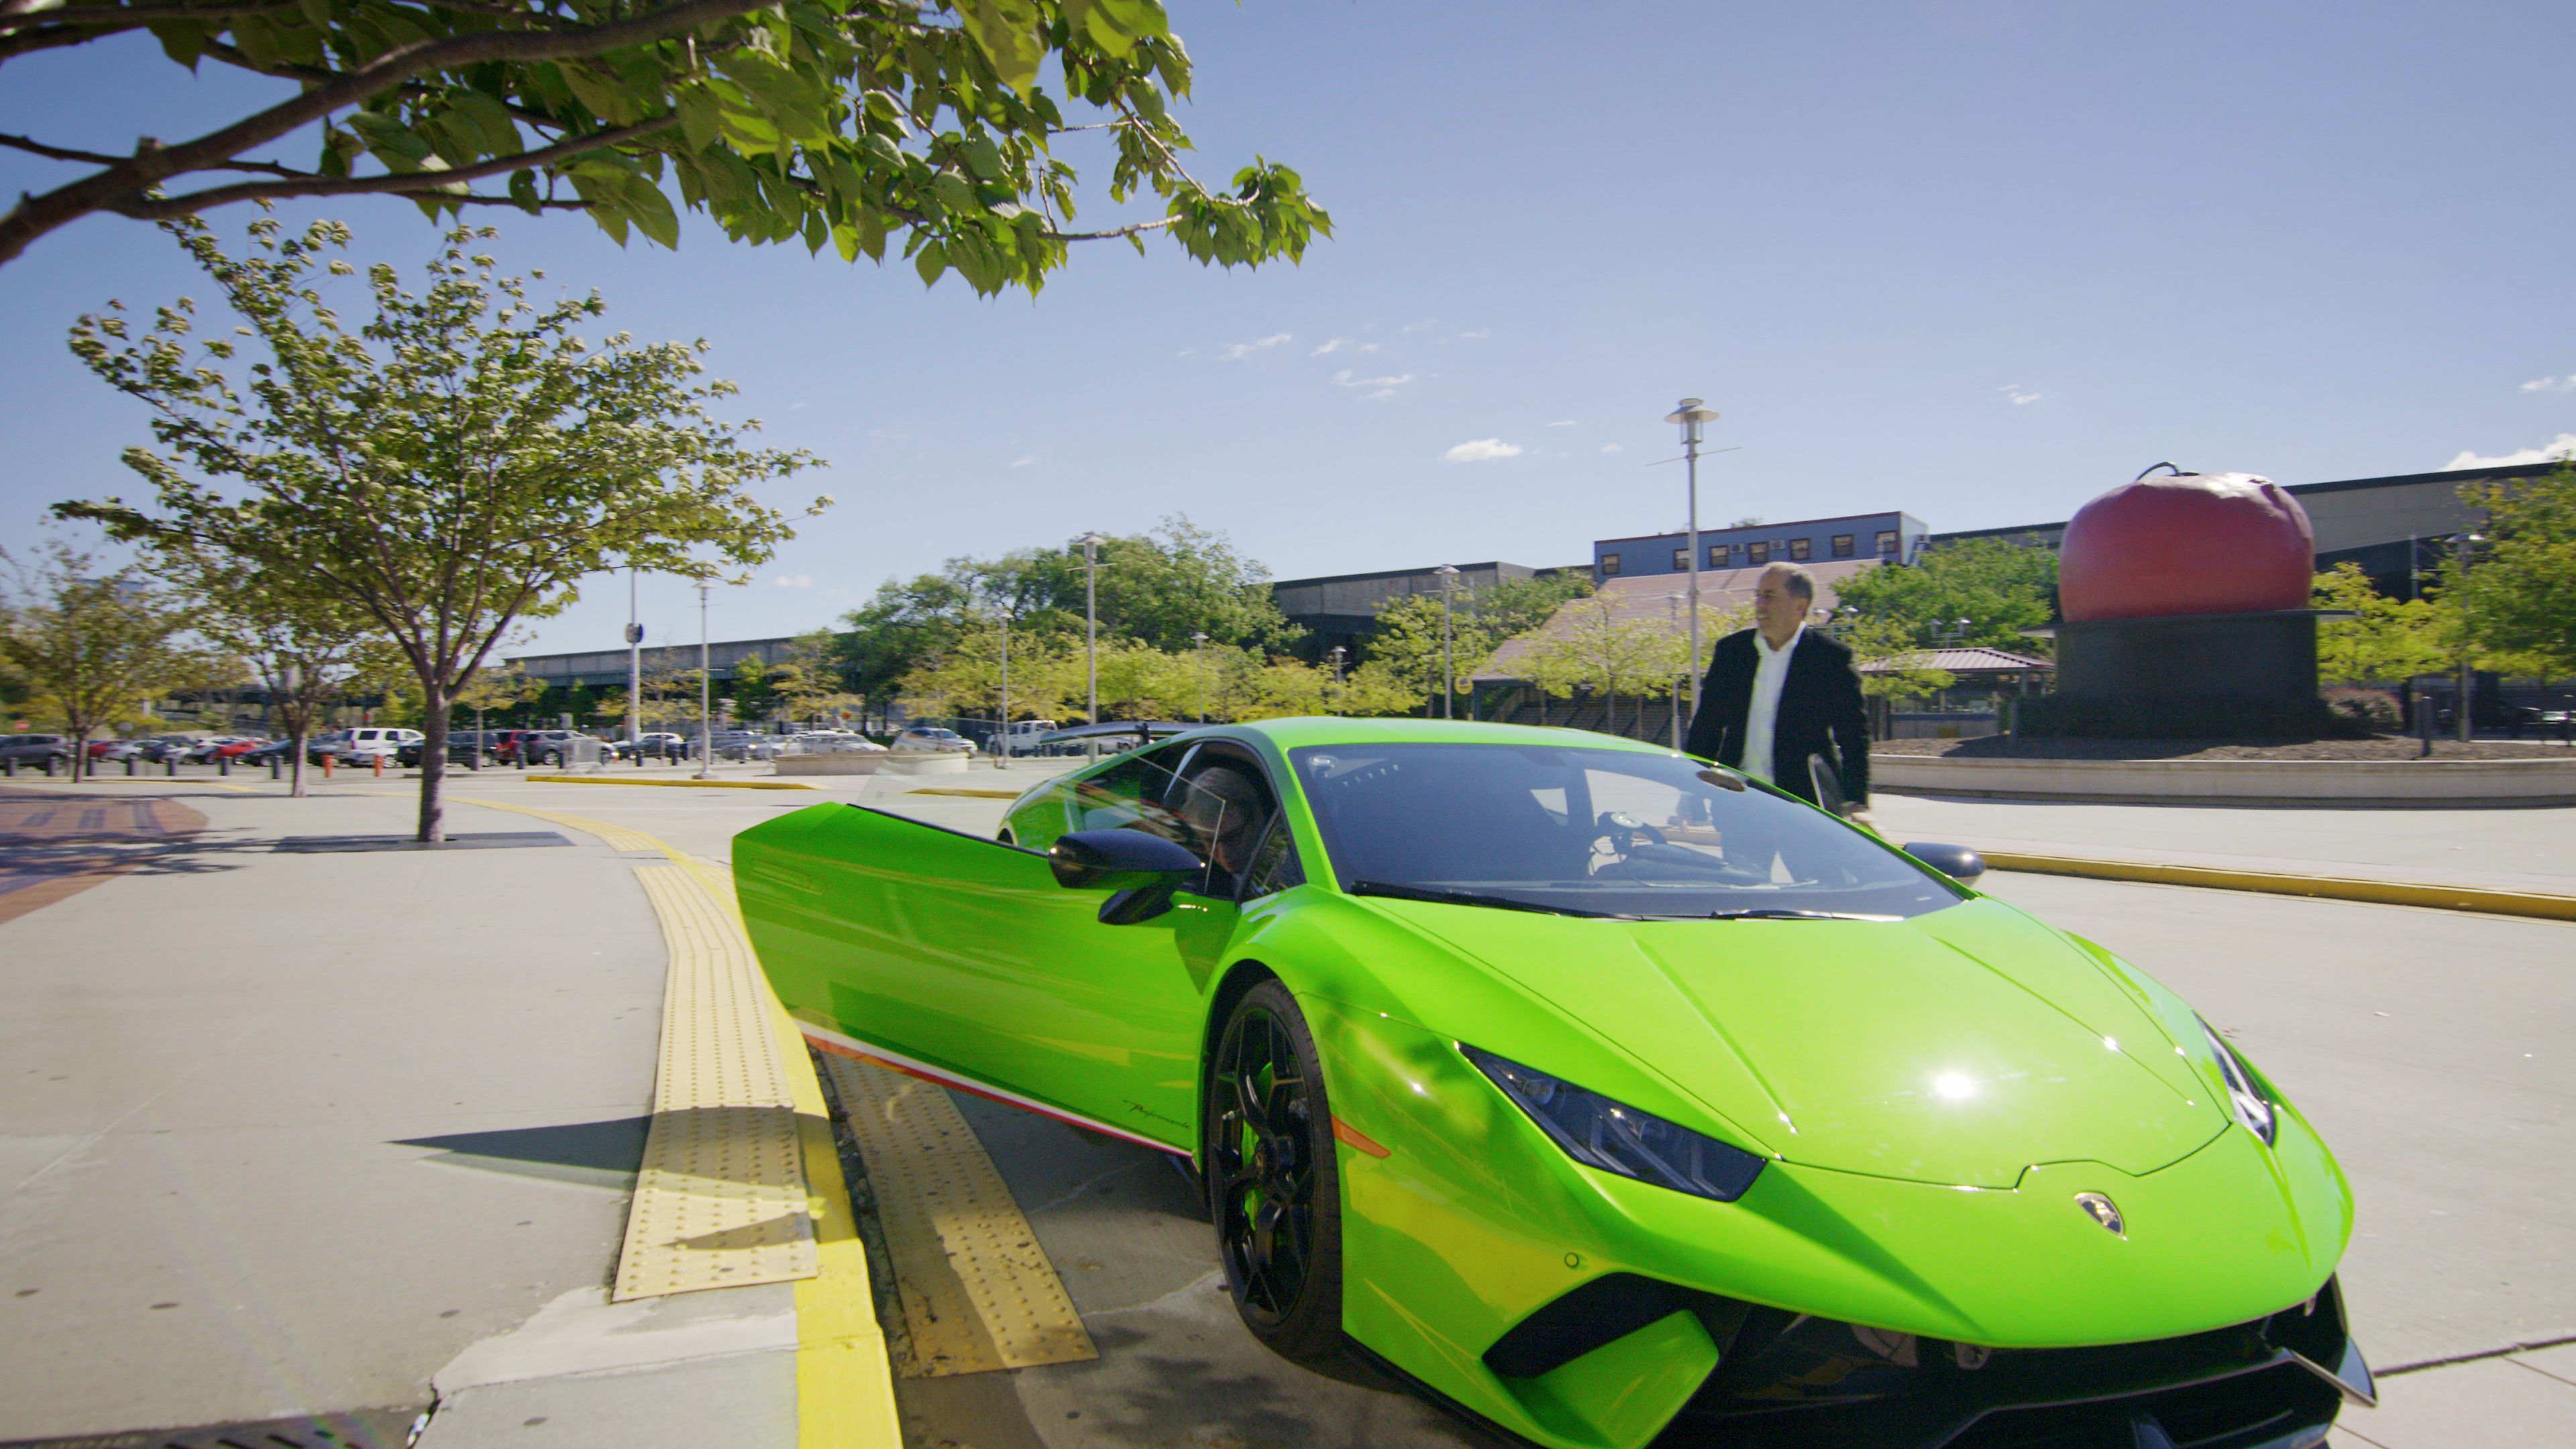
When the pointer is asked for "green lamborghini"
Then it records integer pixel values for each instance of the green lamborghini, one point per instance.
(1603, 1094)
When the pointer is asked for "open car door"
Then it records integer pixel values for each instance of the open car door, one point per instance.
(963, 959)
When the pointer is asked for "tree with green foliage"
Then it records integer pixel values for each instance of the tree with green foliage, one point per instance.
(2391, 640)
(1890, 664)
(1592, 649)
(96, 645)
(1999, 588)
(2518, 596)
(452, 467)
(1407, 639)
(849, 124)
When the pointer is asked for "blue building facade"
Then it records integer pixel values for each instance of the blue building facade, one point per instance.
(1887, 537)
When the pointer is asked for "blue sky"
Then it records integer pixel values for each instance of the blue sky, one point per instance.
(1977, 261)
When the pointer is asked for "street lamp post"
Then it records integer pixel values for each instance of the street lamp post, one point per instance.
(1448, 659)
(1336, 654)
(634, 665)
(1002, 735)
(1692, 416)
(706, 692)
(1673, 611)
(1199, 638)
(2461, 546)
(1091, 543)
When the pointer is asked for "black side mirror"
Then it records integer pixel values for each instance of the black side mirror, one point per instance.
(1141, 869)
(1957, 862)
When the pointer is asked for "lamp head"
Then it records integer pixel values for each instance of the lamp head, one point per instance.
(1692, 416)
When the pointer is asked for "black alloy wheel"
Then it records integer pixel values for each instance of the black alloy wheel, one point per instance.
(1273, 1184)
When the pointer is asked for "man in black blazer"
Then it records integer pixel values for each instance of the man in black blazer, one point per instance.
(1782, 685)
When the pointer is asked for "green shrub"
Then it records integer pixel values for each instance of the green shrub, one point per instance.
(2376, 709)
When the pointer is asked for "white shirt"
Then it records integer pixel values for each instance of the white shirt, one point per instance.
(1771, 672)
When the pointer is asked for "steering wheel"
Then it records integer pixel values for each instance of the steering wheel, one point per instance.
(1624, 829)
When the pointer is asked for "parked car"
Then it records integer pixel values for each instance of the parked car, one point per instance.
(114, 750)
(932, 740)
(162, 747)
(281, 750)
(1025, 737)
(659, 745)
(366, 745)
(743, 745)
(463, 748)
(833, 742)
(557, 747)
(205, 751)
(35, 749)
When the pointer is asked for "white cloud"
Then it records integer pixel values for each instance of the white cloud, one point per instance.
(2551, 384)
(1478, 335)
(2562, 446)
(798, 407)
(1333, 346)
(2015, 394)
(1418, 326)
(1184, 352)
(1378, 396)
(1609, 447)
(794, 581)
(1566, 423)
(1024, 461)
(1481, 450)
(1237, 351)
(1348, 378)
(1366, 347)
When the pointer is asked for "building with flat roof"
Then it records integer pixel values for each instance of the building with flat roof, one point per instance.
(1342, 608)
(608, 666)
(1887, 537)
(2393, 527)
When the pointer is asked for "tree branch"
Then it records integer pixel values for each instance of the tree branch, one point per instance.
(127, 181)
(408, 183)
(94, 158)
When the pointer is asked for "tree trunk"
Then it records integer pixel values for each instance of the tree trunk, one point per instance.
(295, 764)
(80, 757)
(433, 764)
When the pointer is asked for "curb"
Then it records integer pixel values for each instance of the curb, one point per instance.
(2537, 904)
(969, 792)
(668, 784)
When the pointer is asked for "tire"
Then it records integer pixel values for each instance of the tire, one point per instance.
(1274, 1189)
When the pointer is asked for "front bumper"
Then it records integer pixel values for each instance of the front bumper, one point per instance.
(1473, 1245)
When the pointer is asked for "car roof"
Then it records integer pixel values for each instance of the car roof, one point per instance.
(1301, 731)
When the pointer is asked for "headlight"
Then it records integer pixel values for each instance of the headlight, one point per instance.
(2247, 1103)
(1615, 1137)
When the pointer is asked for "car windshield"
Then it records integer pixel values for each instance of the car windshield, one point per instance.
(1593, 832)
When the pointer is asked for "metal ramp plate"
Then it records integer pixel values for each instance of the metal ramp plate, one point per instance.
(978, 1292)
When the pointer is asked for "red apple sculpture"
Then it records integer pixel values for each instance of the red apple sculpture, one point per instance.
(2192, 543)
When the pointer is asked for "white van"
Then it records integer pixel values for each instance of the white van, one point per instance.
(363, 746)
(1023, 735)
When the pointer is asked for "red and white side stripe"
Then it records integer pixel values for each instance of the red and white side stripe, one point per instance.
(826, 1039)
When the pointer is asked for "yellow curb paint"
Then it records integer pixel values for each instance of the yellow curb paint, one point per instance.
(844, 1377)
(979, 1293)
(969, 792)
(2343, 888)
(669, 784)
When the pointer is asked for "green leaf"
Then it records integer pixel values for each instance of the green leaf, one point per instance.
(523, 190)
(701, 117)
(952, 191)
(1007, 32)
(1116, 25)
(931, 262)
(183, 40)
(490, 120)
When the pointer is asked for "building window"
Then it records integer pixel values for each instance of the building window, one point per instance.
(1800, 548)
(1609, 564)
(1757, 553)
(1887, 543)
(1681, 560)
(1842, 545)
(1719, 554)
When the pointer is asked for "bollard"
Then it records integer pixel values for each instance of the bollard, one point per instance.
(129, 767)
(379, 764)
(223, 764)
(170, 764)
(9, 767)
(326, 765)
(49, 767)
(276, 766)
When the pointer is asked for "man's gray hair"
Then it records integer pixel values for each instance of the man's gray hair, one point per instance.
(1795, 579)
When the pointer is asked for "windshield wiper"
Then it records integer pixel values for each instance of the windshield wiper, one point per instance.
(1779, 913)
(1472, 898)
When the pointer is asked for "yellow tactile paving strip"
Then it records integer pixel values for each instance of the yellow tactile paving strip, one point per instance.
(722, 1198)
(978, 1292)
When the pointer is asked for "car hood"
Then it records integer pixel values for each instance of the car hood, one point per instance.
(1961, 1047)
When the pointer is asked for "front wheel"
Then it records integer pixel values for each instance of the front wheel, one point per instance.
(1274, 1188)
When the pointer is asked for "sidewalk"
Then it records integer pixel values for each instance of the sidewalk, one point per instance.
(297, 1134)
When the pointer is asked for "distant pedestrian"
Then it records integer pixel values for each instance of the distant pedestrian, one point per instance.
(1781, 701)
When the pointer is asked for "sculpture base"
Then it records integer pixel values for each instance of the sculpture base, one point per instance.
(2268, 658)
